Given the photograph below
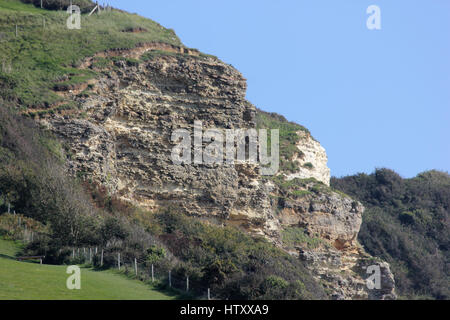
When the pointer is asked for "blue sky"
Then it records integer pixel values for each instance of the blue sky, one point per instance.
(373, 98)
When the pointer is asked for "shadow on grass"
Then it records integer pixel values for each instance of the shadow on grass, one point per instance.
(171, 292)
(15, 259)
(7, 257)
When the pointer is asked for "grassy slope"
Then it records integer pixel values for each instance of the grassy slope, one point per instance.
(21, 280)
(9, 249)
(38, 58)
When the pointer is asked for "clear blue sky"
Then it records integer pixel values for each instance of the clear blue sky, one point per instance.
(376, 98)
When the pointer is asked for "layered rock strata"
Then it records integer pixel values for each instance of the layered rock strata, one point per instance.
(121, 138)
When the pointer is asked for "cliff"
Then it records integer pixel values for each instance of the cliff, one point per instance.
(119, 135)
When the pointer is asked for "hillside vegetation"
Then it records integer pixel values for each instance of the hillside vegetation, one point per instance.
(407, 223)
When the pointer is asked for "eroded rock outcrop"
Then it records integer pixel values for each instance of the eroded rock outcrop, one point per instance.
(312, 160)
(120, 137)
(124, 142)
(326, 224)
(328, 215)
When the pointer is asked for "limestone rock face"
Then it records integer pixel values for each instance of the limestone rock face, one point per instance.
(344, 273)
(328, 215)
(124, 142)
(121, 138)
(312, 160)
(332, 221)
(386, 291)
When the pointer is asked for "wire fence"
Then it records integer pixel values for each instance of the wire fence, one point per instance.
(139, 268)
(10, 27)
(18, 227)
(112, 255)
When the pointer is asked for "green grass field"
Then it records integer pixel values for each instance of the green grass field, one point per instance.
(31, 281)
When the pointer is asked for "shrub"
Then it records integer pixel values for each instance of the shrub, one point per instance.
(308, 165)
(155, 254)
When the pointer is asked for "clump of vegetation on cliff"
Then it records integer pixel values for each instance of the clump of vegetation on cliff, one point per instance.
(294, 237)
(288, 137)
(406, 223)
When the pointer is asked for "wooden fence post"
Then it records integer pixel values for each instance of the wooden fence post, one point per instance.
(135, 266)
(153, 279)
(118, 259)
(170, 278)
(101, 259)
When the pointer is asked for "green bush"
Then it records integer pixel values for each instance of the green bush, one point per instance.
(295, 236)
(308, 165)
(155, 254)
